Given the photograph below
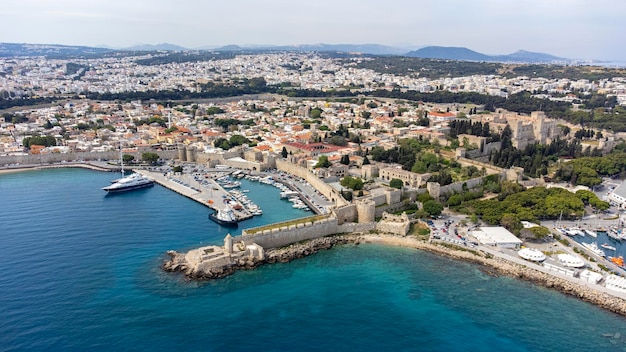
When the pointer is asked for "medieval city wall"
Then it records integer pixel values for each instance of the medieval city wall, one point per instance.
(283, 235)
(86, 156)
(328, 191)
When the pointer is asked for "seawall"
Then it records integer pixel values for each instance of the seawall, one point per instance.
(279, 235)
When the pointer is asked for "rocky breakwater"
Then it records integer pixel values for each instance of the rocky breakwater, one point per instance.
(196, 266)
(306, 248)
(179, 262)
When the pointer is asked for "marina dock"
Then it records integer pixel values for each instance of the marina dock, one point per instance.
(206, 191)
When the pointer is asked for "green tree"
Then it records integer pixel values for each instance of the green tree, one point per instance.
(238, 139)
(212, 110)
(433, 208)
(177, 168)
(353, 183)
(424, 197)
(284, 152)
(151, 158)
(315, 113)
(222, 143)
(454, 200)
(536, 233)
(46, 141)
(322, 161)
(366, 161)
(512, 223)
(338, 140)
(127, 158)
(396, 183)
(345, 159)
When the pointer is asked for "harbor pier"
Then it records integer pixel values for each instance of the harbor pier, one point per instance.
(206, 192)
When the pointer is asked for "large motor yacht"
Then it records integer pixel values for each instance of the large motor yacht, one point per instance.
(128, 183)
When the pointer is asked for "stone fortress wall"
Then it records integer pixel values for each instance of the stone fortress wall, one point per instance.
(280, 236)
(86, 156)
(327, 190)
(345, 214)
(389, 208)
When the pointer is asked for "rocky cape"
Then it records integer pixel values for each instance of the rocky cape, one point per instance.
(178, 262)
(492, 265)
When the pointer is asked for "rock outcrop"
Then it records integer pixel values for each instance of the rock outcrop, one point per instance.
(178, 262)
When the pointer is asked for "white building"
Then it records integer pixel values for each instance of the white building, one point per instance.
(616, 283)
(618, 196)
(497, 236)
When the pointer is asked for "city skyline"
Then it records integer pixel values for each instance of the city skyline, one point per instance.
(573, 29)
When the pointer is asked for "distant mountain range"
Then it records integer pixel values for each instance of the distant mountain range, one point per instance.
(430, 52)
(465, 54)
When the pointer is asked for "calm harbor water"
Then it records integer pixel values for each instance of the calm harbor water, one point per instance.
(81, 272)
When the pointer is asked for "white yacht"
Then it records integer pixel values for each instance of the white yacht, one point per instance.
(593, 247)
(607, 246)
(591, 233)
(129, 183)
(288, 194)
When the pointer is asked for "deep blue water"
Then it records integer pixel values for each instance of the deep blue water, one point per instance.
(81, 272)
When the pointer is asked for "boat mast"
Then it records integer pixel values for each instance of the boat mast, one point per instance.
(121, 159)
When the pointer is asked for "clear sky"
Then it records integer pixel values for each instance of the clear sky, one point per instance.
(592, 29)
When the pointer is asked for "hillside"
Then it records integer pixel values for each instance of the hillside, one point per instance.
(465, 54)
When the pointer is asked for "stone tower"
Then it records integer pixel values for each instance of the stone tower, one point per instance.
(434, 189)
(541, 135)
(191, 154)
(182, 152)
(366, 210)
(228, 244)
(369, 172)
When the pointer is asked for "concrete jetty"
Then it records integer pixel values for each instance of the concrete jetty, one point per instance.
(211, 194)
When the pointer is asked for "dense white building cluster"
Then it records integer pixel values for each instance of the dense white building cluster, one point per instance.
(43, 77)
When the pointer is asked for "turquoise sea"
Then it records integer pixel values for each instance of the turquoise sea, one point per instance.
(80, 272)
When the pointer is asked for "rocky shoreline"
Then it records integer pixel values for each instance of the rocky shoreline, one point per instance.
(493, 265)
(504, 267)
